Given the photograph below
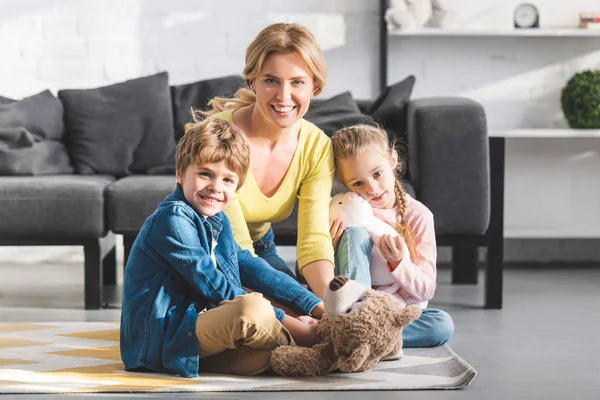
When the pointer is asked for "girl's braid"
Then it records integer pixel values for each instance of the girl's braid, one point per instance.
(403, 228)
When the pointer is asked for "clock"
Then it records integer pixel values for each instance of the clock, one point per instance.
(527, 16)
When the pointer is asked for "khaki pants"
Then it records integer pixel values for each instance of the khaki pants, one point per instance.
(237, 336)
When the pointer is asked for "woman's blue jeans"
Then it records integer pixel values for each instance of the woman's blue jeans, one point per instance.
(265, 249)
(353, 258)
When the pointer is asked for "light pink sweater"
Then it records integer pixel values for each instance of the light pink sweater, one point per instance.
(414, 281)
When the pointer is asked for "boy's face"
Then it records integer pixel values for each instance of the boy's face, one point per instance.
(209, 188)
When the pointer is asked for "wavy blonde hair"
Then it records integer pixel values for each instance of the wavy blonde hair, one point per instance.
(211, 141)
(353, 140)
(281, 38)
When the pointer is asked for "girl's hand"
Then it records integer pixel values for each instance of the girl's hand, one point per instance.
(336, 228)
(392, 249)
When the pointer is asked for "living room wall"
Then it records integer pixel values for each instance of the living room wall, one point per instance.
(75, 44)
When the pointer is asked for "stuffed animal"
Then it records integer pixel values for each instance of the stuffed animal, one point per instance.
(356, 211)
(360, 327)
(409, 15)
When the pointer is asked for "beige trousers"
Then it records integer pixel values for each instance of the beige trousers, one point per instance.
(237, 336)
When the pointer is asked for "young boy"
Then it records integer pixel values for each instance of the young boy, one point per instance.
(185, 308)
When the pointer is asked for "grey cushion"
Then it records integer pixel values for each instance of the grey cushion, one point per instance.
(122, 129)
(68, 206)
(197, 95)
(31, 137)
(129, 201)
(450, 162)
(335, 113)
(6, 100)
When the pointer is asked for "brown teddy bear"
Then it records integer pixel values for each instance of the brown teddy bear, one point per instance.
(360, 327)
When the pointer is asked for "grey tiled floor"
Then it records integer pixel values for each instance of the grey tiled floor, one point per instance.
(543, 344)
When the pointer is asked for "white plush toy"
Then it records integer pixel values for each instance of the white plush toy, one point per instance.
(356, 211)
(409, 15)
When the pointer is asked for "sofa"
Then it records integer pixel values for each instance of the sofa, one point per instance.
(88, 164)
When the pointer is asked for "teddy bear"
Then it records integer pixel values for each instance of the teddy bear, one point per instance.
(354, 210)
(359, 328)
(409, 15)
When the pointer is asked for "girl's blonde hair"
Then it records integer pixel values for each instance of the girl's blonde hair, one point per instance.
(350, 142)
(281, 38)
(211, 141)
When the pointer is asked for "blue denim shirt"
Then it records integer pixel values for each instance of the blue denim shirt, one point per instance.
(170, 278)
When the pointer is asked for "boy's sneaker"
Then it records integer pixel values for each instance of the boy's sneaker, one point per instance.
(394, 357)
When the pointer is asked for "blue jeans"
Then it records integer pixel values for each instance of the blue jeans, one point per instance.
(265, 249)
(353, 259)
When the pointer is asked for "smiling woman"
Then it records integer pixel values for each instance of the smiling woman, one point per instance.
(290, 157)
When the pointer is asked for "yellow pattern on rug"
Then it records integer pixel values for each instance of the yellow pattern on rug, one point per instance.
(84, 357)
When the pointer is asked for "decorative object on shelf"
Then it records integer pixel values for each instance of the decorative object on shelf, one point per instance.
(526, 16)
(589, 20)
(580, 100)
(410, 15)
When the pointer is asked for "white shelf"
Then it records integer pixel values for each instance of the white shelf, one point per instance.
(552, 233)
(534, 32)
(544, 133)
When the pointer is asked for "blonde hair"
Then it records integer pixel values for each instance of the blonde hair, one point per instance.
(212, 141)
(281, 38)
(350, 142)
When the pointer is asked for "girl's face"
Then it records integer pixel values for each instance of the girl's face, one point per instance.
(371, 175)
(284, 89)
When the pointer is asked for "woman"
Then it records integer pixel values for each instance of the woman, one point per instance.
(290, 157)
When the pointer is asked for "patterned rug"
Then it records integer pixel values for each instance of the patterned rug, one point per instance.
(84, 357)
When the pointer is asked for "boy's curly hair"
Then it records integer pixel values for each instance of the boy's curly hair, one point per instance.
(211, 141)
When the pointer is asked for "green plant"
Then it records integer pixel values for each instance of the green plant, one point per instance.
(580, 100)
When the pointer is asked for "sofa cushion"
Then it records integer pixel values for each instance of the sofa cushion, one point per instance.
(6, 100)
(197, 95)
(391, 106)
(65, 206)
(31, 136)
(121, 129)
(129, 201)
(335, 113)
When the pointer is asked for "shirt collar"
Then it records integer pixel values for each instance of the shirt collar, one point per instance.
(215, 221)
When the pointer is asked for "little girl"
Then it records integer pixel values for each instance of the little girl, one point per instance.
(367, 165)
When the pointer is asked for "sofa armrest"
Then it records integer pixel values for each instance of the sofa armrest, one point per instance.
(449, 159)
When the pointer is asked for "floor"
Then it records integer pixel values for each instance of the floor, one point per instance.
(543, 344)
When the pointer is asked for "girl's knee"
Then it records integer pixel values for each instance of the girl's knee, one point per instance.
(355, 235)
(442, 329)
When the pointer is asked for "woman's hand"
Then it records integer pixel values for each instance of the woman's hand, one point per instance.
(336, 228)
(392, 249)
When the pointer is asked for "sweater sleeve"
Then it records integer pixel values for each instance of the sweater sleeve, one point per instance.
(239, 227)
(314, 241)
(418, 278)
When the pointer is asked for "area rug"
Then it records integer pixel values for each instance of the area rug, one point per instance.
(84, 357)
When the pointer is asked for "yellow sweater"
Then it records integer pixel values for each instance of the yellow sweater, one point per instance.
(309, 177)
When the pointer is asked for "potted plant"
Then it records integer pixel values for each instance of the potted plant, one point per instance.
(580, 100)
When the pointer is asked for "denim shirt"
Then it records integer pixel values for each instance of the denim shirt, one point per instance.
(170, 278)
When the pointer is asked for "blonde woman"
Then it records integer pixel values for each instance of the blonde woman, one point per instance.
(290, 157)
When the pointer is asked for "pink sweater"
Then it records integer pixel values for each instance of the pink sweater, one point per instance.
(414, 281)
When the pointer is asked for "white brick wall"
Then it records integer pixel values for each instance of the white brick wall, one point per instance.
(86, 43)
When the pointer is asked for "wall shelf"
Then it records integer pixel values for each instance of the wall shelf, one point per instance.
(544, 133)
(535, 32)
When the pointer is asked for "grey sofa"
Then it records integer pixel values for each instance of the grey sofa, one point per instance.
(449, 156)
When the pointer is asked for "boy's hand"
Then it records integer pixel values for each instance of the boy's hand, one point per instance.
(336, 228)
(392, 250)
(308, 320)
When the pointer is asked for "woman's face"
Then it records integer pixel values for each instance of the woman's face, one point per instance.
(283, 89)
